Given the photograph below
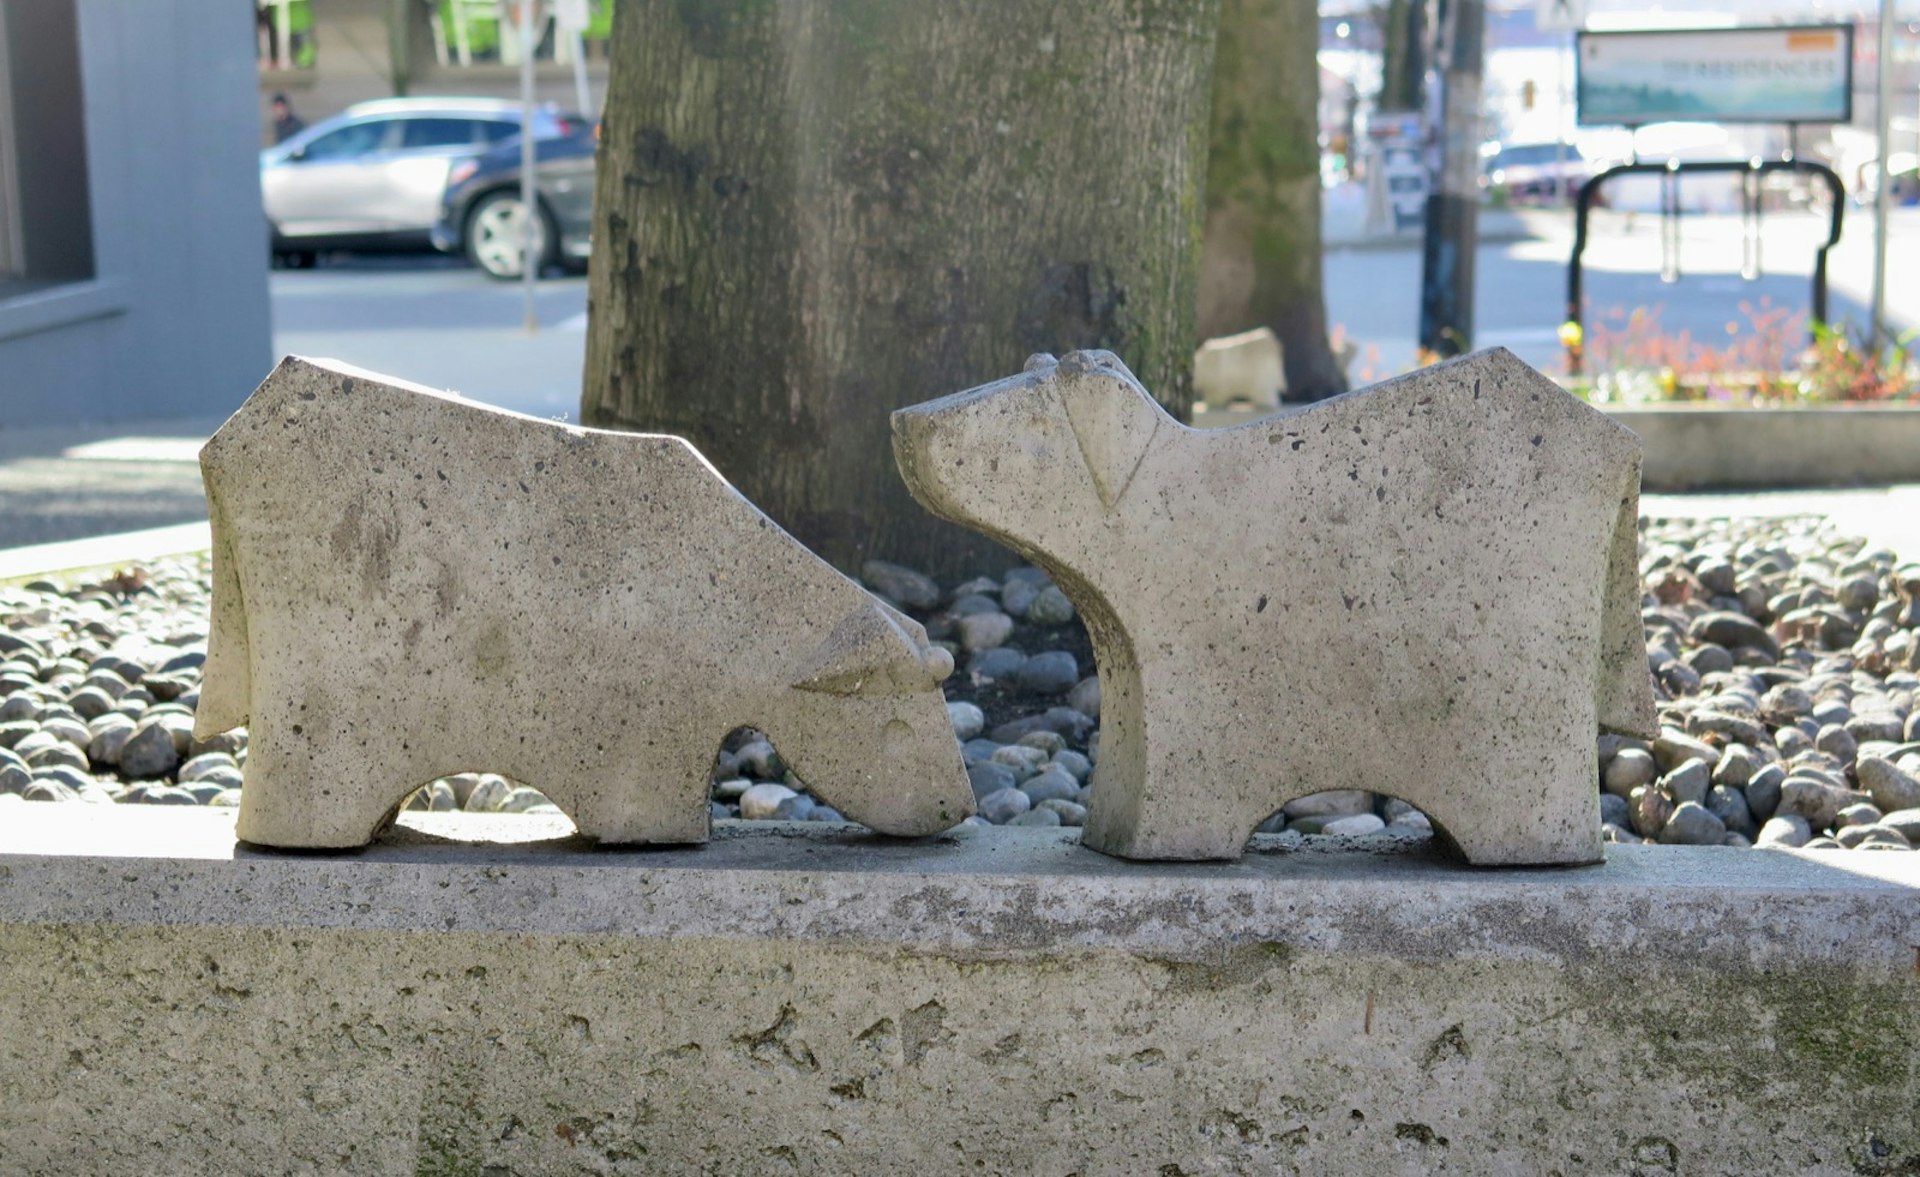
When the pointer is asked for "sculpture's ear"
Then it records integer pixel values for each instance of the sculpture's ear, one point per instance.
(1113, 418)
(869, 653)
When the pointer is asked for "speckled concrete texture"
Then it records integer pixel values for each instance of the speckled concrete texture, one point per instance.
(408, 585)
(801, 999)
(1426, 588)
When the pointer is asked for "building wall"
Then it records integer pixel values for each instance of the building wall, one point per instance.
(175, 319)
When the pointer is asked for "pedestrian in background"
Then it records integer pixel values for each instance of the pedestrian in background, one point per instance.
(286, 124)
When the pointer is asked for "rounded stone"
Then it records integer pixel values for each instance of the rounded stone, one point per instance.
(1005, 805)
(1071, 813)
(987, 776)
(1085, 696)
(977, 749)
(1050, 607)
(1001, 662)
(1354, 825)
(1036, 817)
(798, 807)
(1763, 791)
(762, 801)
(1018, 595)
(1688, 782)
(984, 631)
(1649, 809)
(1050, 742)
(968, 720)
(523, 799)
(1073, 764)
(913, 589)
(1629, 769)
(1051, 785)
(1838, 742)
(487, 794)
(1021, 759)
(1692, 824)
(1051, 673)
(149, 752)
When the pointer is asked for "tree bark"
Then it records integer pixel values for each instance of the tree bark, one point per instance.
(1262, 261)
(1403, 33)
(811, 212)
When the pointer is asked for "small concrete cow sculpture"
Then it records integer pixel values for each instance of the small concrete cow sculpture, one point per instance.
(1427, 588)
(408, 585)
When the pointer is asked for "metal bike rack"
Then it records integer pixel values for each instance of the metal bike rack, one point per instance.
(1750, 172)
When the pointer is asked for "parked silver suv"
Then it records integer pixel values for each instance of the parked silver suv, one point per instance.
(373, 176)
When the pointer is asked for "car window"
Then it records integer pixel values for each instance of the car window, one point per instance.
(494, 132)
(349, 141)
(421, 133)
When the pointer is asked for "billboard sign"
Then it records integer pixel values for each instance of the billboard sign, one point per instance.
(1782, 74)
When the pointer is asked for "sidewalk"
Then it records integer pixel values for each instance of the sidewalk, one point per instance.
(1343, 223)
(61, 483)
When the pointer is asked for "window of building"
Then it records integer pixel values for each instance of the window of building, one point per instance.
(46, 221)
(283, 34)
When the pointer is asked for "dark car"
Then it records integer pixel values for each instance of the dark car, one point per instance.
(480, 215)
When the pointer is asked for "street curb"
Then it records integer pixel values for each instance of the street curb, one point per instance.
(1413, 241)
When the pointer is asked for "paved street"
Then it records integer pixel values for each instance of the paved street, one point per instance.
(435, 322)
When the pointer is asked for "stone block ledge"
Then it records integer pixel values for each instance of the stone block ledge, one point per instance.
(818, 1000)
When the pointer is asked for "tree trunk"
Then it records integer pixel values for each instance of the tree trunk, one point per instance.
(812, 212)
(1403, 61)
(1261, 264)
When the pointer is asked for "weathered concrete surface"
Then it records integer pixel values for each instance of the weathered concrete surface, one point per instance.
(1709, 448)
(1245, 367)
(1427, 588)
(795, 999)
(408, 585)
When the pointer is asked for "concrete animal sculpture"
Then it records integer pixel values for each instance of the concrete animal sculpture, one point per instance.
(408, 585)
(1427, 588)
(1244, 367)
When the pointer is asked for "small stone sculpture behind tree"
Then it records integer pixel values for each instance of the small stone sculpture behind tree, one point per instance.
(1261, 265)
(408, 585)
(1428, 588)
(811, 213)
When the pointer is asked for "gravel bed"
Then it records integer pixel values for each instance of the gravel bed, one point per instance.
(1786, 662)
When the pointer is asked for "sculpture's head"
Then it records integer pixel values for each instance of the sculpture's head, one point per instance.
(865, 724)
(1063, 439)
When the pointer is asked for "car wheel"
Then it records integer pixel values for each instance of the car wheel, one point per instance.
(295, 259)
(493, 235)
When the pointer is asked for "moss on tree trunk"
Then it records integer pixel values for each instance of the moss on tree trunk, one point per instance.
(811, 212)
(1262, 259)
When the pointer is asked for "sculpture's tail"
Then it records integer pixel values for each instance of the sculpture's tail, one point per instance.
(226, 685)
(1624, 700)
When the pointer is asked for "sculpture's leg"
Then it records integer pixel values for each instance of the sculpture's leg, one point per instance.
(640, 793)
(1520, 808)
(319, 794)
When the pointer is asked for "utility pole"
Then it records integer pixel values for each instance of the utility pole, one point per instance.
(529, 206)
(1883, 189)
(1453, 203)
